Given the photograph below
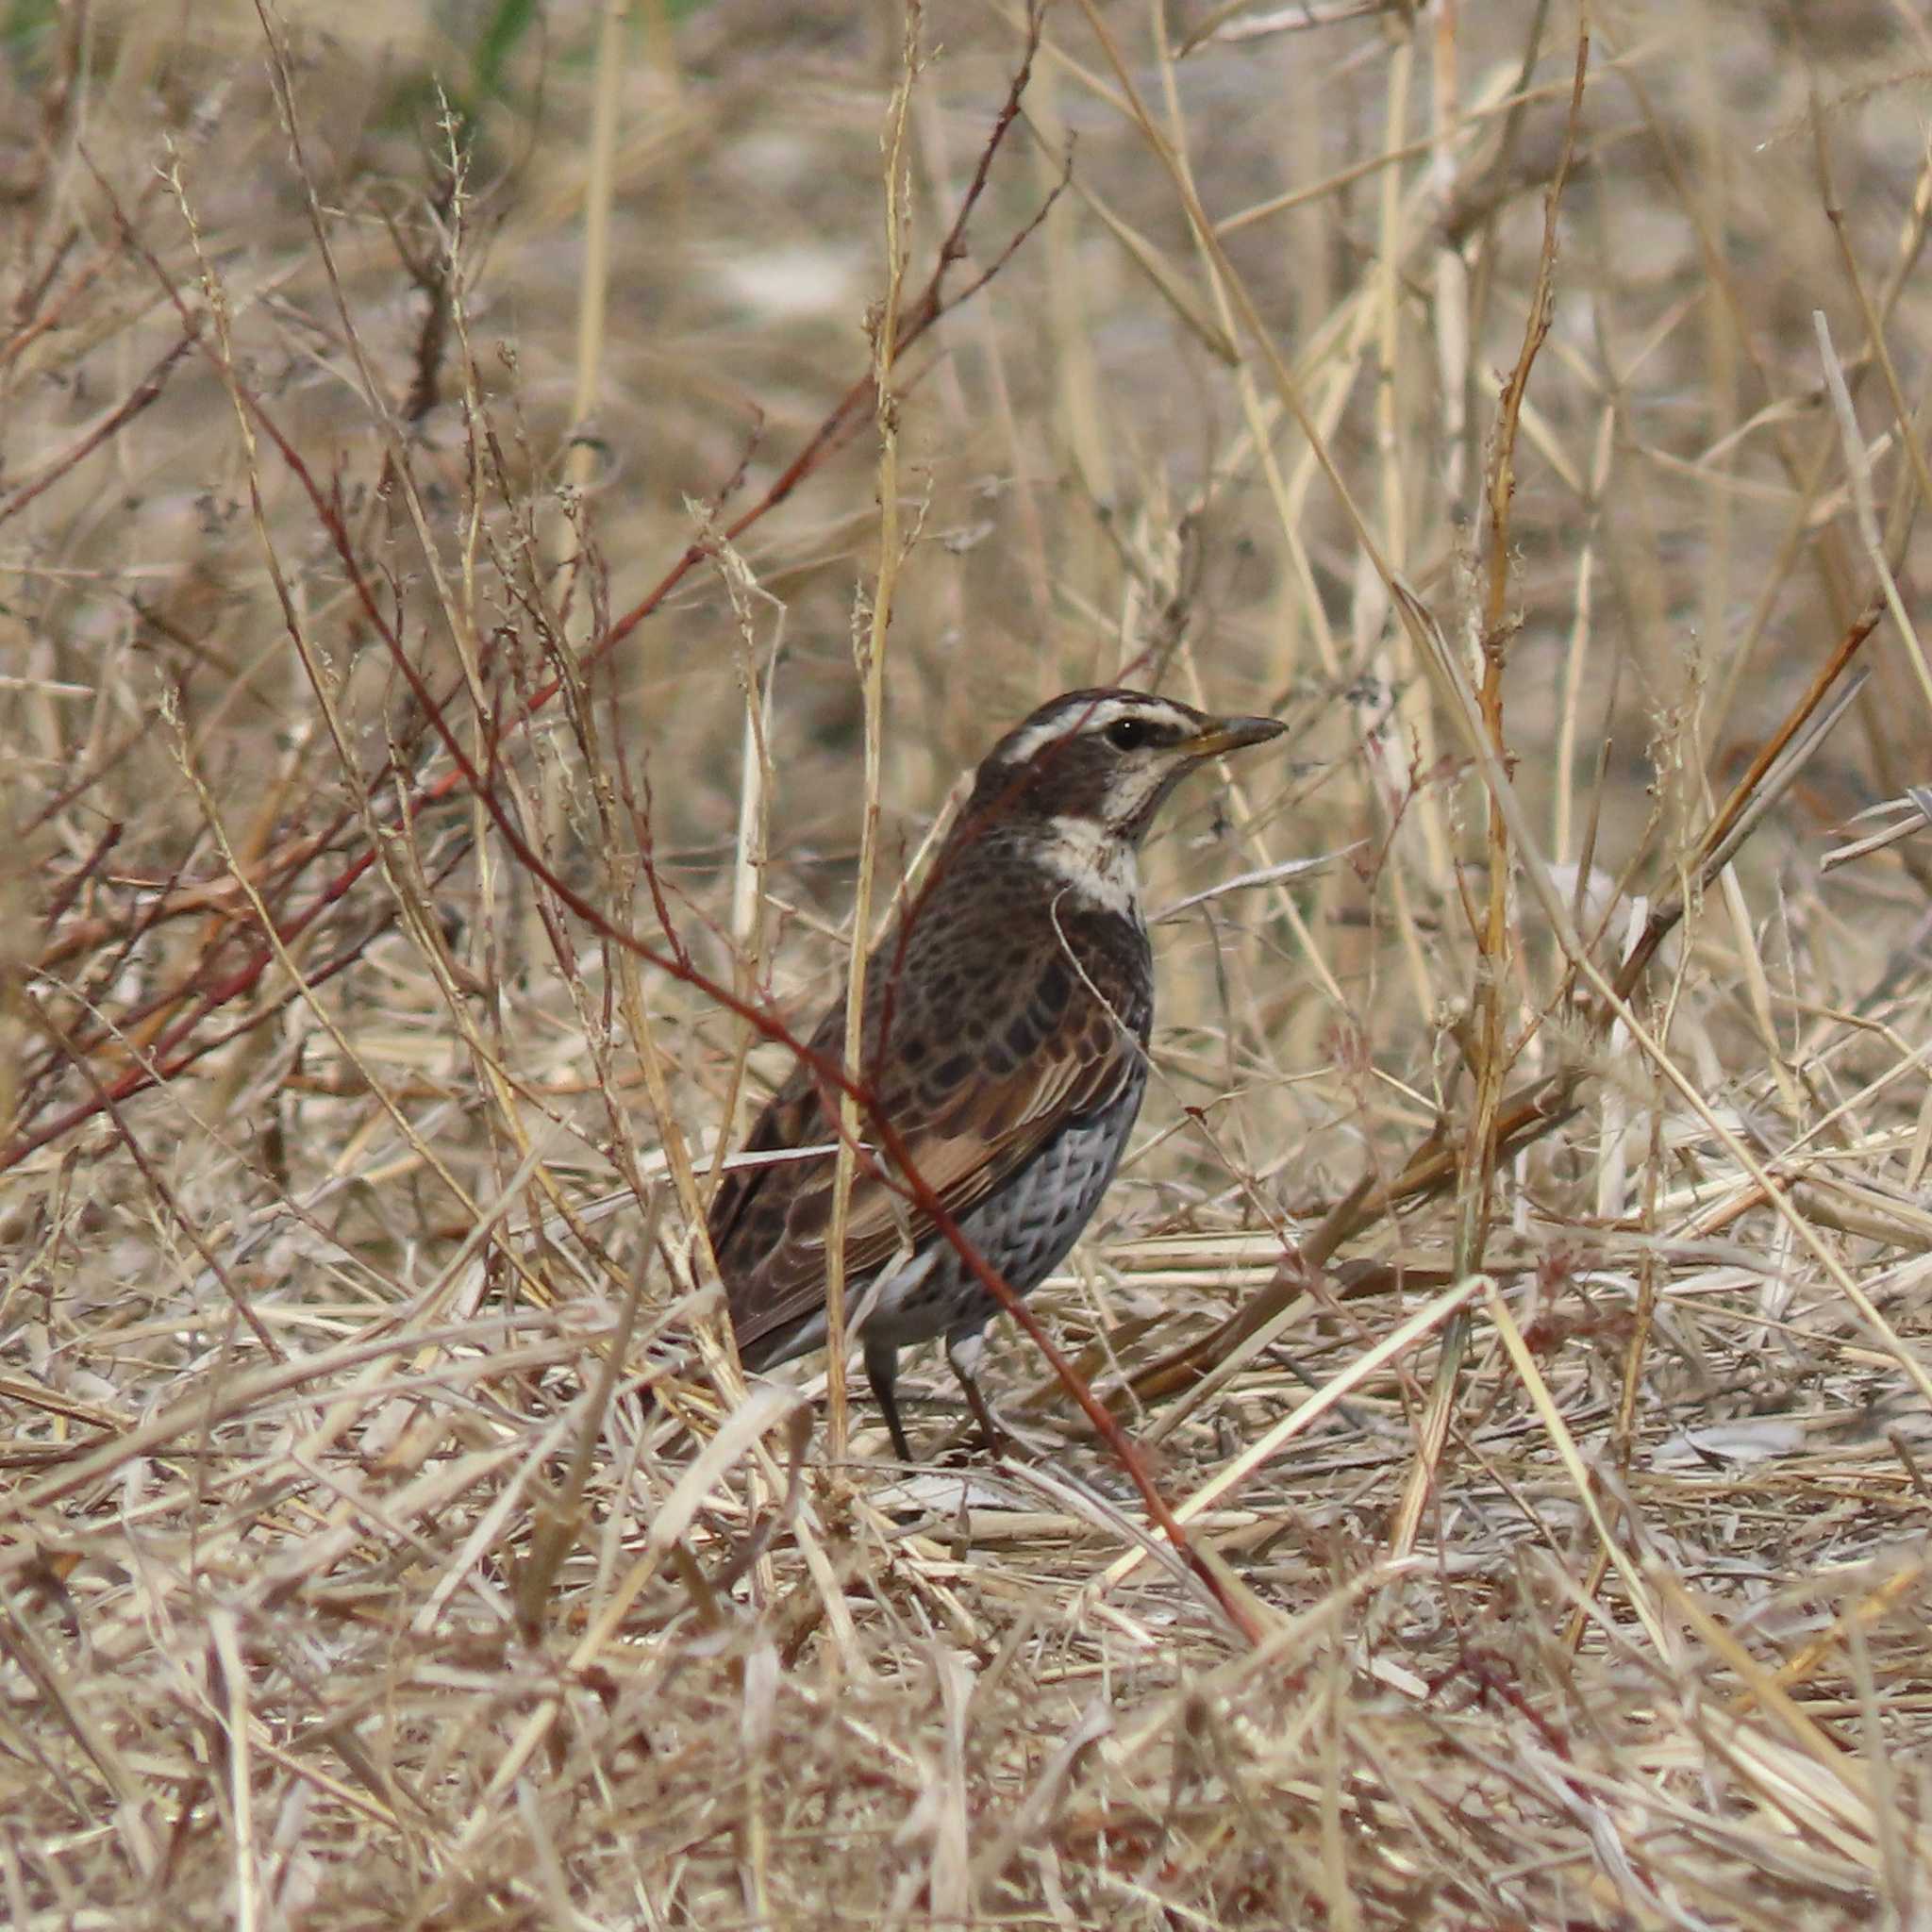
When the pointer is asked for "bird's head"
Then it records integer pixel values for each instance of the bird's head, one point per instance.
(1096, 765)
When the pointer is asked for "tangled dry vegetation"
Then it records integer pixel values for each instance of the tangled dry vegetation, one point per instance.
(447, 687)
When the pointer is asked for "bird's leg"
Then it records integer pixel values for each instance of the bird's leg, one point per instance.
(963, 1351)
(882, 1372)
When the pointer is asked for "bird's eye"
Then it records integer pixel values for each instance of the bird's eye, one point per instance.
(1129, 734)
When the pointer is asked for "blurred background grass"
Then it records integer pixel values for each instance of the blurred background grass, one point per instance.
(1104, 486)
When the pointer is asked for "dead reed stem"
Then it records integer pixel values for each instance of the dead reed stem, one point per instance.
(510, 541)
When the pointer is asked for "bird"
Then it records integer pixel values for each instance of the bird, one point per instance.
(1004, 1037)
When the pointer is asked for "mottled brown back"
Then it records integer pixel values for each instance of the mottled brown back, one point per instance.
(1001, 1005)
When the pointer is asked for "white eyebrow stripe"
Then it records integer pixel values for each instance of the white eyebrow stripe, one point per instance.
(1094, 716)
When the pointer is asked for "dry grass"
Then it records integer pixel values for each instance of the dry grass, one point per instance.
(423, 827)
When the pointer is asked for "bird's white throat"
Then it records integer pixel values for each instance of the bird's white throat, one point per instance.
(1099, 868)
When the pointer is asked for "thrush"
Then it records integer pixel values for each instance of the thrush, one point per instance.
(1004, 1040)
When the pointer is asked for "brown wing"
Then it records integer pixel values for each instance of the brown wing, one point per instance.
(972, 1102)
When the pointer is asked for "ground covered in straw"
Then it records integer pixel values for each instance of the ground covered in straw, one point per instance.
(473, 632)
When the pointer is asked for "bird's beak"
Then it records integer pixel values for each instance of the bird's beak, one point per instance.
(1230, 734)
